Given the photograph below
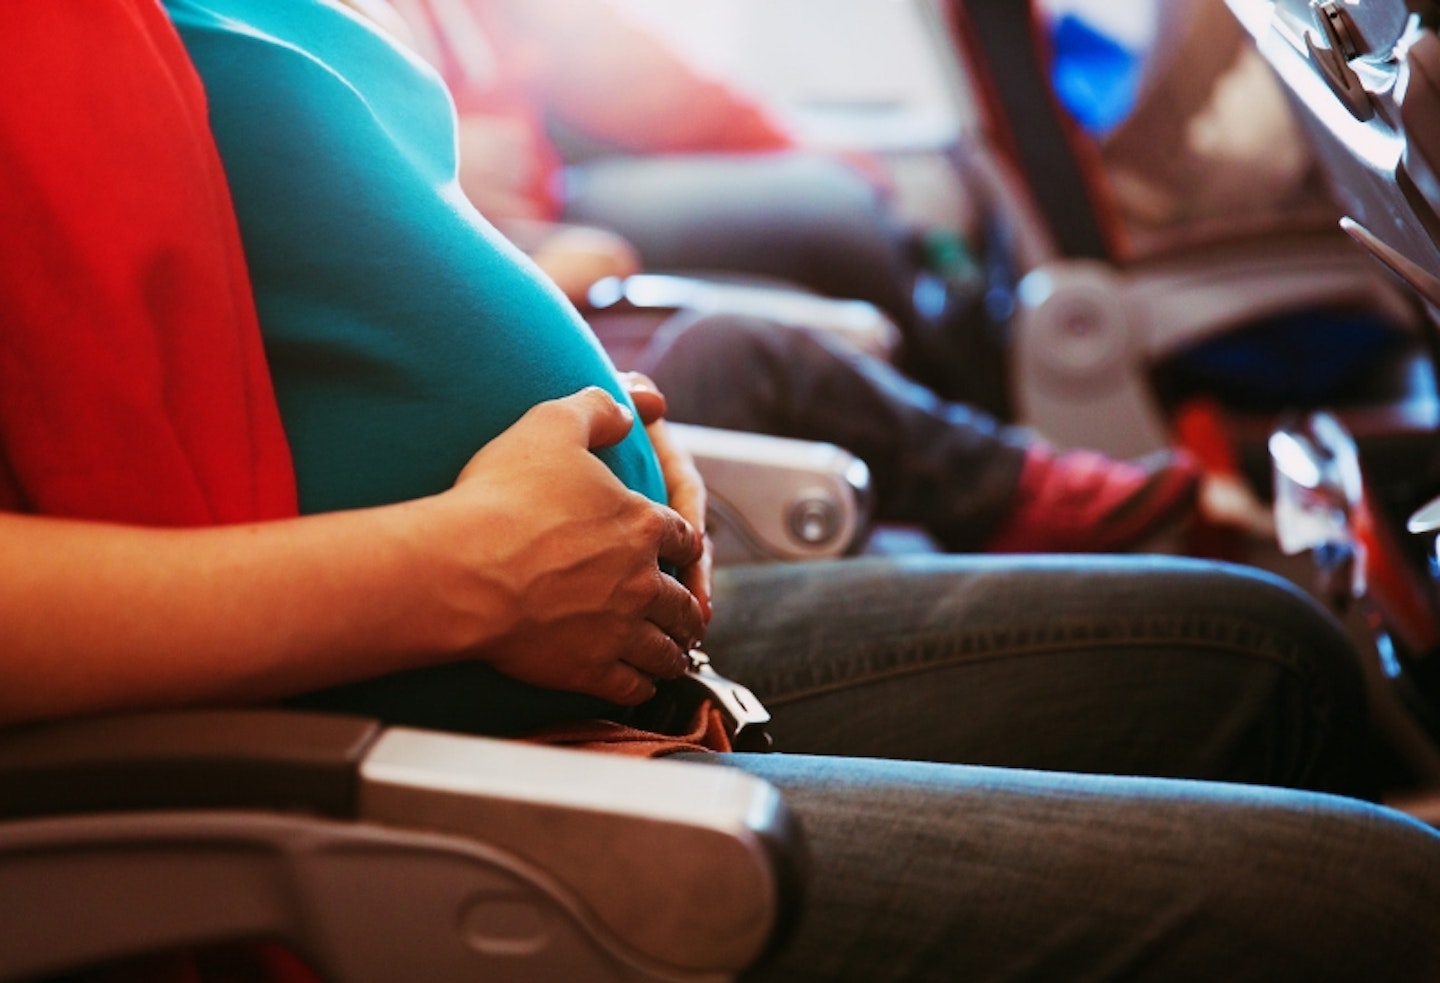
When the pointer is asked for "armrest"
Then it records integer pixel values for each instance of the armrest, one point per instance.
(772, 498)
(861, 324)
(283, 762)
(440, 857)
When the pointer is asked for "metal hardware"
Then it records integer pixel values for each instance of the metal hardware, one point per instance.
(814, 519)
(1332, 61)
(1336, 25)
(745, 716)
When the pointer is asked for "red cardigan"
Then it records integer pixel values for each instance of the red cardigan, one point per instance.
(133, 384)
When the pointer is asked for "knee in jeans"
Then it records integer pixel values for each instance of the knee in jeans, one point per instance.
(1310, 636)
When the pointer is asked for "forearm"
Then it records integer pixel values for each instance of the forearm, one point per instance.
(538, 561)
(97, 617)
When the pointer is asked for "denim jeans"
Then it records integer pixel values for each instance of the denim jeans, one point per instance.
(935, 463)
(1017, 842)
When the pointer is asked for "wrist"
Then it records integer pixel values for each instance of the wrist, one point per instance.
(456, 599)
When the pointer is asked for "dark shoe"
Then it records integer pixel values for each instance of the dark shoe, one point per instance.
(1085, 502)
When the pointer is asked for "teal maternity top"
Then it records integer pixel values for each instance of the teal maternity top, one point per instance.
(403, 331)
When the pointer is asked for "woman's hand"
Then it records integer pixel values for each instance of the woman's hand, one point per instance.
(683, 483)
(566, 591)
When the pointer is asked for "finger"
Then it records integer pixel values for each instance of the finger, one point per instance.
(657, 655)
(677, 612)
(684, 484)
(698, 577)
(687, 495)
(623, 684)
(649, 401)
(603, 419)
(679, 543)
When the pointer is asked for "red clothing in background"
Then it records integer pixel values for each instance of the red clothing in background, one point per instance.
(584, 63)
(133, 384)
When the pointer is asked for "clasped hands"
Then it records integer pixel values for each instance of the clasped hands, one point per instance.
(566, 591)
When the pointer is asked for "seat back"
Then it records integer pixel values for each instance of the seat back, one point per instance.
(1100, 324)
(1362, 78)
(1365, 80)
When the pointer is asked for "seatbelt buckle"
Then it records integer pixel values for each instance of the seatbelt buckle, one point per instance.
(744, 715)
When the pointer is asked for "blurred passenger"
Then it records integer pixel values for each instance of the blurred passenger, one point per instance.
(922, 870)
(724, 185)
(973, 483)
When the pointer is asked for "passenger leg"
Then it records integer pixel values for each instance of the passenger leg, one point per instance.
(1117, 667)
(949, 872)
(972, 482)
(937, 464)
(1154, 666)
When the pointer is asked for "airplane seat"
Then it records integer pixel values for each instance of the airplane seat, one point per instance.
(1362, 79)
(379, 854)
(1358, 78)
(1107, 317)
